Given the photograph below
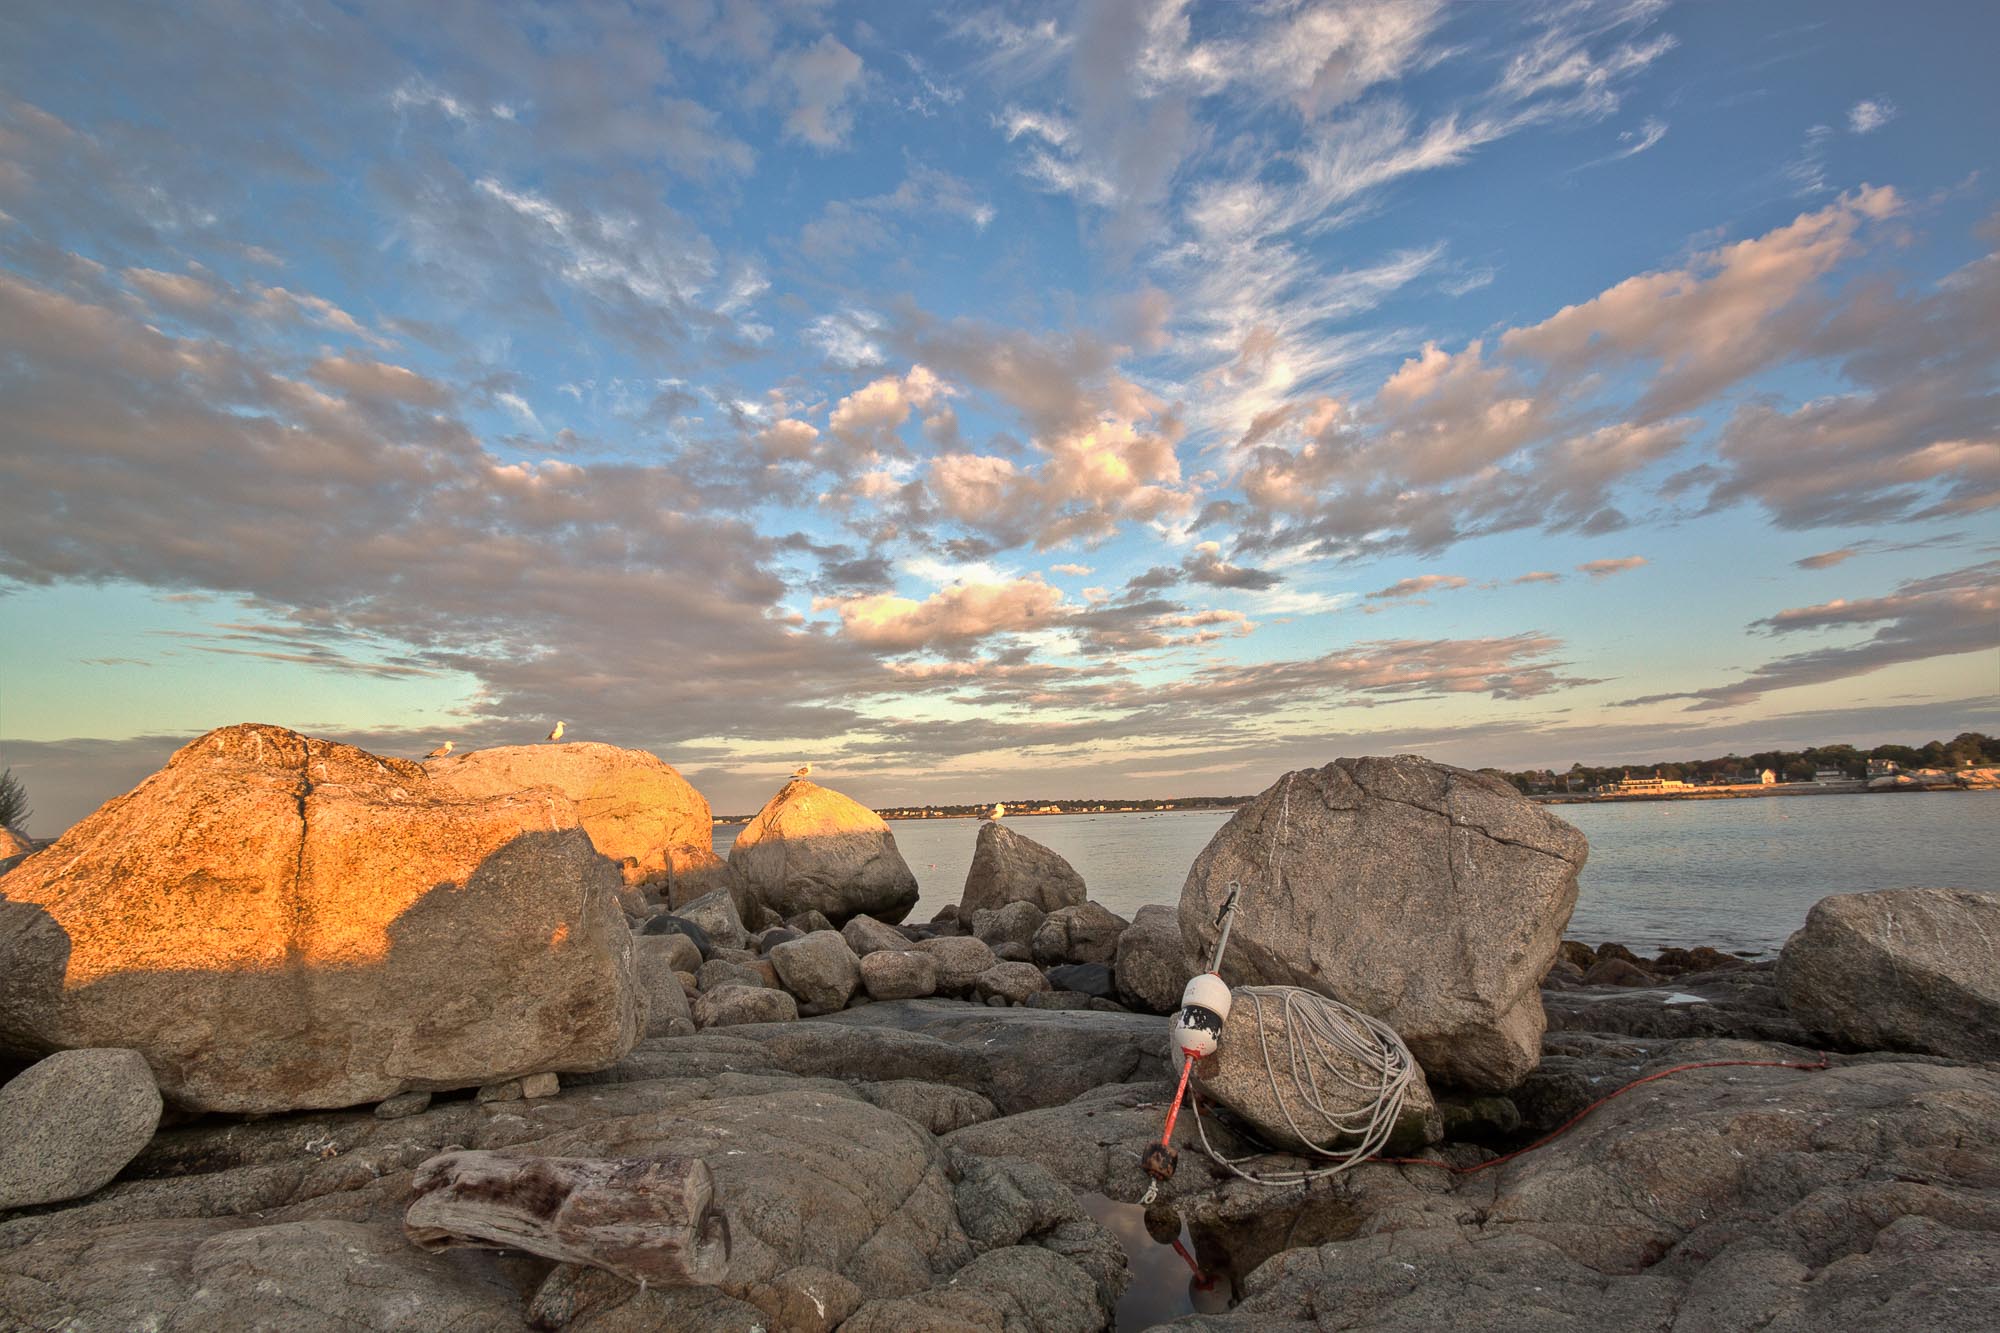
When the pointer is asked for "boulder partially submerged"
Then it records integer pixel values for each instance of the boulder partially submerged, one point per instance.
(1899, 970)
(277, 922)
(813, 849)
(1433, 898)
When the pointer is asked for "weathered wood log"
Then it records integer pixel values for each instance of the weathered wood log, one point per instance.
(647, 1220)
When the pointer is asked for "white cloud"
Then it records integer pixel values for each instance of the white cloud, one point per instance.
(822, 78)
(1871, 114)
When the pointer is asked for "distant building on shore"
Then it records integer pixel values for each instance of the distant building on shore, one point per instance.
(1653, 786)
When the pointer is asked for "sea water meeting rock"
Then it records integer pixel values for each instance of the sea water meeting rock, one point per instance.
(1899, 970)
(637, 809)
(1430, 897)
(813, 849)
(1009, 867)
(277, 922)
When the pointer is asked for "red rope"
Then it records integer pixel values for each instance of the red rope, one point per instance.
(1174, 1111)
(1570, 1123)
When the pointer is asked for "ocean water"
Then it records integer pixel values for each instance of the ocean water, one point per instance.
(1735, 874)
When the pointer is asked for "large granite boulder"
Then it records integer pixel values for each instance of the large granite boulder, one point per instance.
(14, 845)
(71, 1122)
(1430, 897)
(637, 809)
(1257, 1068)
(811, 849)
(1899, 970)
(277, 922)
(1010, 868)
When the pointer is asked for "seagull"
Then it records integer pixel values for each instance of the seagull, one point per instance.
(556, 735)
(441, 751)
(803, 771)
(998, 810)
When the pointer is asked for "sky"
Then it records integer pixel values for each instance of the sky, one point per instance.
(981, 402)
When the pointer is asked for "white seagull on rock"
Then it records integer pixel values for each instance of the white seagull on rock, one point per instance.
(441, 751)
(998, 809)
(803, 771)
(556, 735)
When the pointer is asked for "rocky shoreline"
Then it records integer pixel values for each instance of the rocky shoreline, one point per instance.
(929, 1125)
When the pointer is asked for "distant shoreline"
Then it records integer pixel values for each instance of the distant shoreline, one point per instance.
(1012, 815)
(1745, 793)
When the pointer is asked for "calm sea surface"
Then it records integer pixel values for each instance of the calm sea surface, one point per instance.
(1735, 874)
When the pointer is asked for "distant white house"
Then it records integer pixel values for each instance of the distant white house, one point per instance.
(1653, 786)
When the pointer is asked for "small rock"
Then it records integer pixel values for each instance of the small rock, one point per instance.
(545, 1084)
(71, 1122)
(403, 1104)
(716, 914)
(727, 1006)
(810, 1300)
(960, 960)
(1013, 951)
(1071, 999)
(1086, 933)
(719, 972)
(1609, 950)
(820, 970)
(1010, 983)
(654, 957)
(668, 924)
(507, 1090)
(1088, 978)
(864, 934)
(805, 923)
(768, 940)
(1578, 953)
(1151, 967)
(1016, 923)
(1618, 972)
(899, 974)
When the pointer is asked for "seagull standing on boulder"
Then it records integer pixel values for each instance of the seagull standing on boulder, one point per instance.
(556, 735)
(441, 751)
(803, 771)
(999, 809)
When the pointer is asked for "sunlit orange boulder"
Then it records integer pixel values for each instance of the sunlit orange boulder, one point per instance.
(812, 849)
(277, 922)
(637, 809)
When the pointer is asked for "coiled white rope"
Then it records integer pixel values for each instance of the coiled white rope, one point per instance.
(1349, 1074)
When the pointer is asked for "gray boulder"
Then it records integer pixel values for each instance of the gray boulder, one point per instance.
(1010, 982)
(719, 972)
(681, 952)
(1151, 965)
(1430, 897)
(1016, 923)
(71, 1122)
(865, 935)
(1899, 970)
(727, 1006)
(1010, 868)
(812, 849)
(1253, 1074)
(820, 970)
(1093, 979)
(899, 974)
(1085, 933)
(720, 922)
(666, 1002)
(960, 959)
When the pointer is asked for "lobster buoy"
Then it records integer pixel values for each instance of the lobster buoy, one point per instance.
(1204, 1009)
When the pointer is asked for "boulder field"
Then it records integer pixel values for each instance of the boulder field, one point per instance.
(842, 1121)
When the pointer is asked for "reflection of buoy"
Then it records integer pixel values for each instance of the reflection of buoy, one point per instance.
(1211, 1294)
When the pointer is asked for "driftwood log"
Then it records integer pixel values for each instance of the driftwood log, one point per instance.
(649, 1220)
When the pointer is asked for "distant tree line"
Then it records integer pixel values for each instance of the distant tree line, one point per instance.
(1967, 749)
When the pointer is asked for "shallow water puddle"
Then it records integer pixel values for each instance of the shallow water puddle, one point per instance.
(1164, 1284)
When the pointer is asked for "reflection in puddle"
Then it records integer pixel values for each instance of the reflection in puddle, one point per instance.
(1200, 1268)
(1164, 1283)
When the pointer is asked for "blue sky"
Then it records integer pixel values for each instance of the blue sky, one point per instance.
(1137, 398)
